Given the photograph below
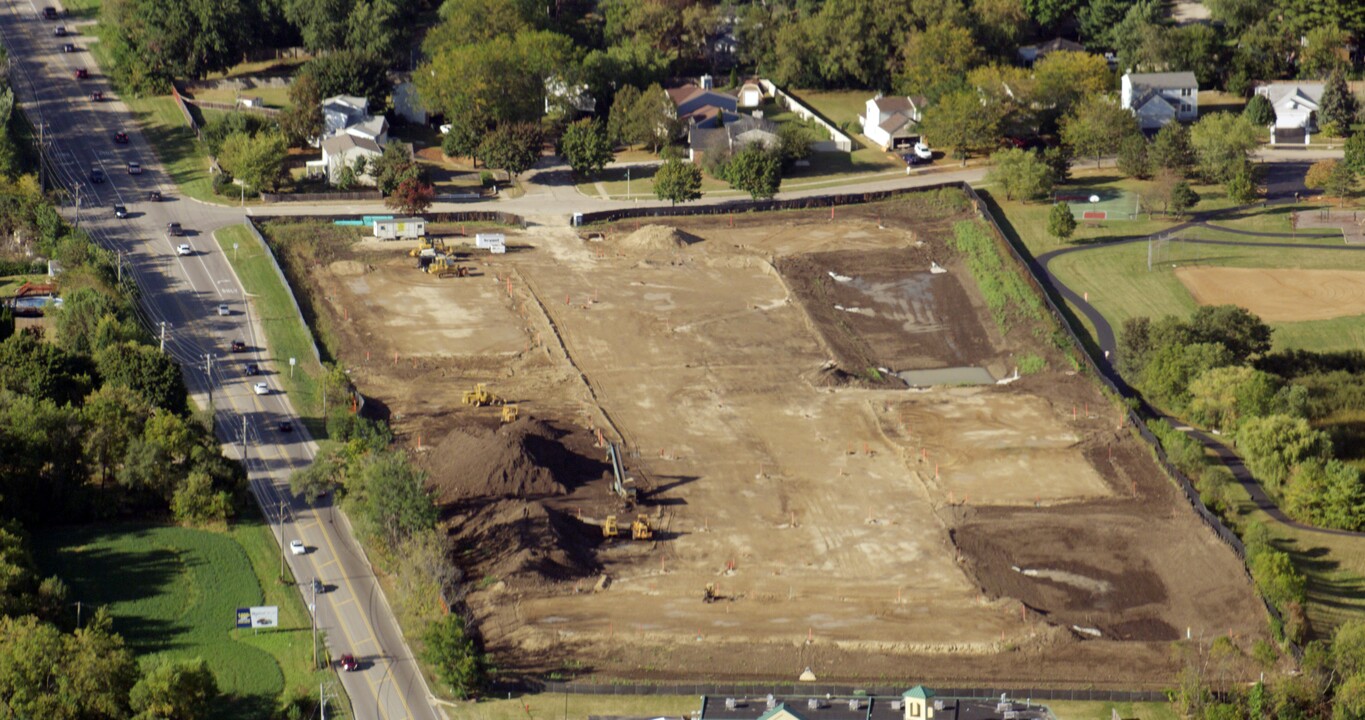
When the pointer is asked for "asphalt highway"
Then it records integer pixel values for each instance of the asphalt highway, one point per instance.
(181, 293)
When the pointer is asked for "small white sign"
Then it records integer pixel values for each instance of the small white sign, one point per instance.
(291, 362)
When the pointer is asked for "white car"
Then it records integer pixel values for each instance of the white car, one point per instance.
(261, 389)
(296, 547)
(224, 310)
(923, 152)
(184, 249)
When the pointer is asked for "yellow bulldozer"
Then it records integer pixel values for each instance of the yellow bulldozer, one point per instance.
(427, 244)
(640, 529)
(510, 413)
(480, 397)
(444, 266)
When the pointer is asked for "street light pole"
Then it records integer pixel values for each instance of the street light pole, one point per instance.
(315, 623)
(279, 519)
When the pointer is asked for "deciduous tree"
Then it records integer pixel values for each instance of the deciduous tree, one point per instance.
(256, 160)
(755, 170)
(677, 181)
(1021, 174)
(183, 690)
(447, 647)
(411, 197)
(1064, 78)
(1171, 150)
(1097, 126)
(512, 147)
(585, 147)
(936, 60)
(958, 123)
(1132, 158)
(1222, 144)
(1274, 445)
(1259, 111)
(393, 166)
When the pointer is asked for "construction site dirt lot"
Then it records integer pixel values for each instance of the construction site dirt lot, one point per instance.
(994, 533)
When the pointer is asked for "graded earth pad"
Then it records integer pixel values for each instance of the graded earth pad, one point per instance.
(854, 527)
(1279, 295)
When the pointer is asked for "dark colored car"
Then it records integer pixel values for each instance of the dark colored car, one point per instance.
(253, 369)
(96, 175)
(174, 229)
(120, 212)
(348, 663)
(238, 346)
(913, 159)
(69, 48)
(81, 73)
(154, 196)
(96, 96)
(318, 587)
(134, 167)
(49, 13)
(121, 138)
(60, 31)
(286, 426)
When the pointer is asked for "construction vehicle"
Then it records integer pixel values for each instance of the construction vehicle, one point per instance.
(427, 244)
(710, 595)
(640, 529)
(620, 480)
(609, 528)
(510, 413)
(481, 397)
(444, 266)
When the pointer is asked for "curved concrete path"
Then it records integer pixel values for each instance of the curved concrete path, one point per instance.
(1106, 339)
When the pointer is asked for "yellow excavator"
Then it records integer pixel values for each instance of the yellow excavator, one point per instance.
(481, 397)
(427, 244)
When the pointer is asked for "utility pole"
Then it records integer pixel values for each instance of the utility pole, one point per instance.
(42, 185)
(322, 700)
(208, 376)
(78, 205)
(280, 519)
(244, 440)
(163, 337)
(315, 622)
(120, 267)
(78, 613)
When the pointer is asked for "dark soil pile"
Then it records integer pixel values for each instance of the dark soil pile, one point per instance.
(525, 541)
(514, 461)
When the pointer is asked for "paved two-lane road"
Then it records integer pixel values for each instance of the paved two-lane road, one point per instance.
(183, 292)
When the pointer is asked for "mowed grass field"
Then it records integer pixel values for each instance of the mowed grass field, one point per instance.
(283, 331)
(173, 593)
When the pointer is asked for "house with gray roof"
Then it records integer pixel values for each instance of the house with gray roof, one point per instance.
(917, 703)
(892, 121)
(1159, 98)
(731, 137)
(1296, 107)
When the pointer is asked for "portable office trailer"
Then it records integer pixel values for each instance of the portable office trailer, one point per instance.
(396, 228)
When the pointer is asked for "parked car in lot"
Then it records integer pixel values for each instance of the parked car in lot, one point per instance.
(134, 167)
(174, 229)
(121, 138)
(184, 249)
(81, 73)
(913, 159)
(922, 151)
(296, 547)
(120, 212)
(96, 175)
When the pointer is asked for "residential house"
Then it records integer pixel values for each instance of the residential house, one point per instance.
(732, 137)
(1030, 54)
(1158, 98)
(344, 150)
(349, 114)
(892, 121)
(1296, 106)
(701, 104)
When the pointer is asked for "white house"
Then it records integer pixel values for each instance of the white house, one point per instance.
(1296, 106)
(750, 94)
(1158, 98)
(892, 121)
(349, 114)
(343, 151)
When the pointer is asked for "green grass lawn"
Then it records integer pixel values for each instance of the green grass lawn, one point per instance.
(82, 9)
(826, 169)
(285, 334)
(1077, 710)
(11, 284)
(275, 97)
(840, 107)
(173, 593)
(181, 154)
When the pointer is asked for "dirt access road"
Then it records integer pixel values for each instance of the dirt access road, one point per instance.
(848, 523)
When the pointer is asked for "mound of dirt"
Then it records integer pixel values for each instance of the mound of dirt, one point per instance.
(656, 238)
(522, 541)
(515, 461)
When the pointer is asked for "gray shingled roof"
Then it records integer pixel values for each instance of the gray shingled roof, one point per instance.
(1164, 80)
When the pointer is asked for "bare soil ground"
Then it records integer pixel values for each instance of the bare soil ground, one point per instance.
(848, 524)
(1279, 295)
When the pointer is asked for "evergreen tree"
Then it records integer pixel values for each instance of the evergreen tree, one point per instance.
(1259, 111)
(1061, 223)
(1339, 106)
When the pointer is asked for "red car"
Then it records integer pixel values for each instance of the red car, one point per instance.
(121, 138)
(82, 73)
(348, 663)
(96, 96)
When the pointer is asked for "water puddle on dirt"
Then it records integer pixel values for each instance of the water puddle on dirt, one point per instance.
(947, 376)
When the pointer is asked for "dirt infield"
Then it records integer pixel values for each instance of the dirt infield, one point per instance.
(1279, 295)
(846, 523)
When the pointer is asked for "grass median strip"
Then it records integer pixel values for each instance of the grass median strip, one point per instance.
(285, 335)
